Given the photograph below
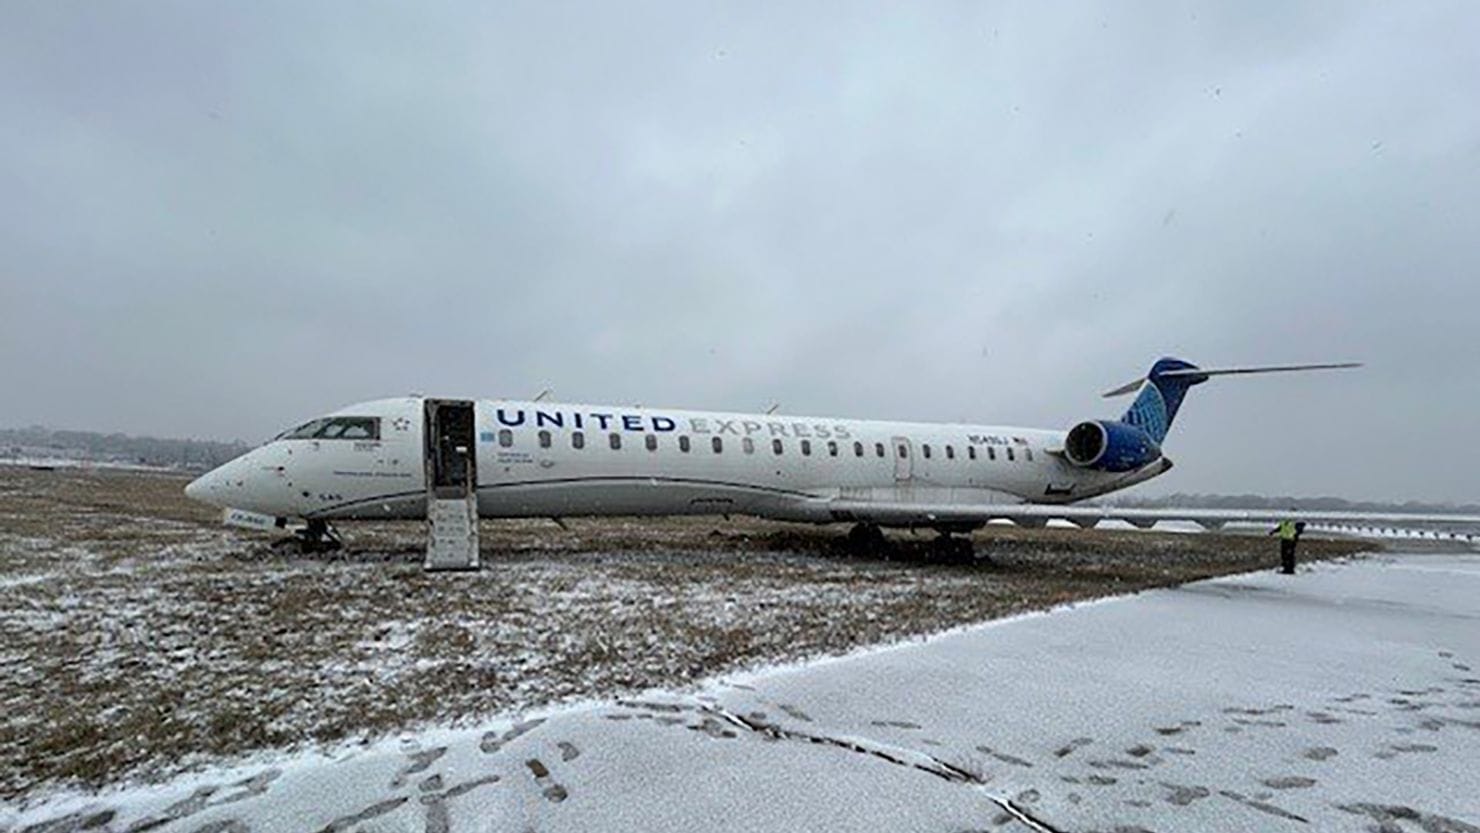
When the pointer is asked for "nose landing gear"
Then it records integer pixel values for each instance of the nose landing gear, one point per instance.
(315, 537)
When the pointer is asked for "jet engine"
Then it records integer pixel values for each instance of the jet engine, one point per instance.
(1110, 445)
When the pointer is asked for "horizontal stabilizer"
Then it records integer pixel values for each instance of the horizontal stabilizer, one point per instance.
(1128, 387)
(1199, 374)
(1279, 368)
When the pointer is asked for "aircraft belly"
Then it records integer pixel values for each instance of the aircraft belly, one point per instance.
(618, 495)
(386, 507)
(915, 493)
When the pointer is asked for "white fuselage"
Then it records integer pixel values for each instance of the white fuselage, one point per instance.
(541, 459)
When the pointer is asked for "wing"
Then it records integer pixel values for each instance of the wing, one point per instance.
(1030, 514)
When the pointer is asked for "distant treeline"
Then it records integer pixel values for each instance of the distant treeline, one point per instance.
(1310, 504)
(118, 448)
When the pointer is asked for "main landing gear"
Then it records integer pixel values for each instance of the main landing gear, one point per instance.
(867, 539)
(953, 549)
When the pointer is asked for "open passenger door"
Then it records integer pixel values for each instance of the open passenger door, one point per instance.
(452, 485)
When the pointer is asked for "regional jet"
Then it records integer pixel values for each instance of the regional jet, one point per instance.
(451, 461)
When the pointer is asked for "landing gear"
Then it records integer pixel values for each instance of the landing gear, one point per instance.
(317, 536)
(952, 545)
(953, 549)
(867, 539)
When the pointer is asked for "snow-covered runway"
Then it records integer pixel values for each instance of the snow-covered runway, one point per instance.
(1344, 698)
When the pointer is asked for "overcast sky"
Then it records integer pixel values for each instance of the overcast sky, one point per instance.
(220, 219)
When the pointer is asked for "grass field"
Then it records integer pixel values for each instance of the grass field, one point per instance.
(138, 637)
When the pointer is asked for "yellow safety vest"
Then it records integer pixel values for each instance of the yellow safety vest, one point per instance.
(1287, 530)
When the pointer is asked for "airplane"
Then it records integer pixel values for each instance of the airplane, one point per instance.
(452, 461)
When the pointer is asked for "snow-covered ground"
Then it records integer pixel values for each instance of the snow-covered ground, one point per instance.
(1344, 698)
(43, 462)
(139, 639)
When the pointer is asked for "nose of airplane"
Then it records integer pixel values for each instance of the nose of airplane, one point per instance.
(254, 481)
(203, 487)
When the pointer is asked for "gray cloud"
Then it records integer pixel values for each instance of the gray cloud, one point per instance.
(218, 220)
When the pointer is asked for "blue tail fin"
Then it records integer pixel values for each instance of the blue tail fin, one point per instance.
(1160, 396)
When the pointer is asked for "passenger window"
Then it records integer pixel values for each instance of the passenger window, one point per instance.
(879, 449)
(717, 444)
(1010, 455)
(578, 439)
(505, 437)
(858, 450)
(615, 440)
(806, 448)
(971, 451)
(991, 452)
(1028, 454)
(925, 449)
(776, 446)
(748, 445)
(950, 453)
(904, 450)
(651, 441)
(544, 439)
(832, 448)
(683, 444)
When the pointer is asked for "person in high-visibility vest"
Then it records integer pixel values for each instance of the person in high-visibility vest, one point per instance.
(1289, 532)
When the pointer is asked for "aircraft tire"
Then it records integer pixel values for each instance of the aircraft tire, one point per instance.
(867, 540)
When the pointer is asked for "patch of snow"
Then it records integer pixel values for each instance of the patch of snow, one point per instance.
(1250, 702)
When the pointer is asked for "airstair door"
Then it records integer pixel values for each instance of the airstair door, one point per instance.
(902, 454)
(452, 484)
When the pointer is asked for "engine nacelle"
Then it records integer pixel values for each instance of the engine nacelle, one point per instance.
(1109, 445)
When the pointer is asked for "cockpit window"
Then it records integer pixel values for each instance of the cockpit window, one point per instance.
(301, 432)
(337, 428)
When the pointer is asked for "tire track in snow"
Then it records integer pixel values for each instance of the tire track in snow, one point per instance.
(899, 757)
